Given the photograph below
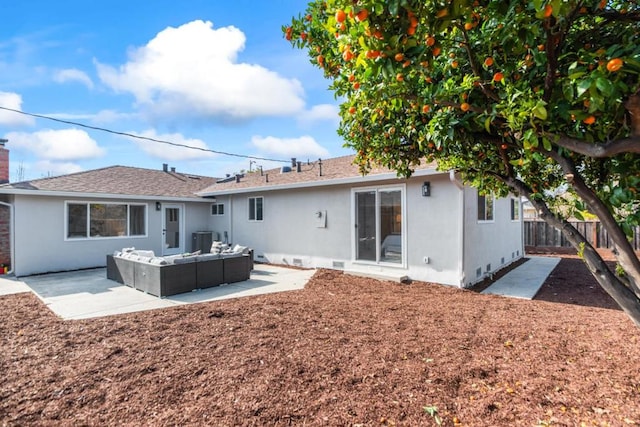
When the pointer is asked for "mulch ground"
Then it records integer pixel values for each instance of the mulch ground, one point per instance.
(343, 351)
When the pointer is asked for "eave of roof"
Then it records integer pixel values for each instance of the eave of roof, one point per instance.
(344, 171)
(121, 182)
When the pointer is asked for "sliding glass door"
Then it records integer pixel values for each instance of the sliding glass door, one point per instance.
(379, 235)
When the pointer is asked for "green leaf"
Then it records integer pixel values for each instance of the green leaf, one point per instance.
(583, 86)
(578, 215)
(394, 5)
(540, 111)
(604, 85)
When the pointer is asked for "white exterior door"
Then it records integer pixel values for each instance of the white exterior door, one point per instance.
(172, 229)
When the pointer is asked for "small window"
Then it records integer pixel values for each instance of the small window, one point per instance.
(485, 207)
(515, 209)
(255, 208)
(217, 209)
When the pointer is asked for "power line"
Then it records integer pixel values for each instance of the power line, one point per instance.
(175, 144)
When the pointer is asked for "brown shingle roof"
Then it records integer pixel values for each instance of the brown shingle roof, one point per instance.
(335, 169)
(121, 180)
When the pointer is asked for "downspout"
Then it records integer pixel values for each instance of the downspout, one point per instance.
(230, 218)
(12, 229)
(460, 186)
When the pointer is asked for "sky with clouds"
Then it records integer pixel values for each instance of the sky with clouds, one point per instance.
(207, 74)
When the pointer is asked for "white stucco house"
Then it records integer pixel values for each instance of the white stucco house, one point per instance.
(72, 221)
(322, 214)
(325, 214)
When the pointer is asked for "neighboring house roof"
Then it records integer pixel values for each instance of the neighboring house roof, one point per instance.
(118, 180)
(339, 170)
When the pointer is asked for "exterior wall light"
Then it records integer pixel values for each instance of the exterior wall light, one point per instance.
(158, 206)
(426, 189)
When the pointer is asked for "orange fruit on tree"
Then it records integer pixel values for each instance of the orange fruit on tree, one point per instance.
(468, 26)
(400, 77)
(454, 64)
(411, 31)
(399, 56)
(406, 63)
(288, 33)
(548, 10)
(442, 13)
(356, 85)
(352, 77)
(426, 108)
(465, 106)
(347, 55)
(431, 41)
(614, 65)
(320, 60)
(488, 61)
(352, 110)
(497, 77)
(436, 51)
(589, 120)
(362, 15)
(341, 16)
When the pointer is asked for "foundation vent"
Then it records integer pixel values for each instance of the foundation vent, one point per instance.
(478, 272)
(338, 265)
(297, 262)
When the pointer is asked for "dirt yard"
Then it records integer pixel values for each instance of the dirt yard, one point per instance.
(343, 351)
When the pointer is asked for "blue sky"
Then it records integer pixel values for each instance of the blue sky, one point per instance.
(212, 74)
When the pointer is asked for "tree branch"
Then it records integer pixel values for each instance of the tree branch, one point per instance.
(599, 150)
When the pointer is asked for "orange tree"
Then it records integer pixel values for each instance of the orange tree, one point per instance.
(530, 97)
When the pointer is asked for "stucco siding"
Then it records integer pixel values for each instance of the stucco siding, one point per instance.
(489, 245)
(41, 247)
(291, 231)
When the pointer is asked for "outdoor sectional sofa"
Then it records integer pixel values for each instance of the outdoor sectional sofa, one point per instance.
(165, 276)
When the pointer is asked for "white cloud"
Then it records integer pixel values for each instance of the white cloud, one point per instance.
(319, 113)
(10, 118)
(64, 144)
(302, 147)
(73, 75)
(192, 71)
(171, 152)
(102, 116)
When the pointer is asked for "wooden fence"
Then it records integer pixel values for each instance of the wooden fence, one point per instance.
(539, 233)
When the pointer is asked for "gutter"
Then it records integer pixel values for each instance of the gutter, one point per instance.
(322, 183)
(12, 231)
(460, 186)
(168, 199)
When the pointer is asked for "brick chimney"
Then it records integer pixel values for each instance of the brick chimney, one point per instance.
(4, 162)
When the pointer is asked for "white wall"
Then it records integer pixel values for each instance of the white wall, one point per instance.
(289, 233)
(494, 244)
(40, 244)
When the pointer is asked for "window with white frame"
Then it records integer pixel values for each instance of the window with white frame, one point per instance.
(97, 220)
(256, 208)
(217, 209)
(515, 209)
(485, 207)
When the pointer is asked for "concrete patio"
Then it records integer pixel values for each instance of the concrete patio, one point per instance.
(88, 293)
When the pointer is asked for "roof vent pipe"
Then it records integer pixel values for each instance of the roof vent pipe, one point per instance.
(173, 170)
(299, 167)
(237, 178)
(293, 163)
(266, 177)
(165, 167)
(261, 171)
(320, 164)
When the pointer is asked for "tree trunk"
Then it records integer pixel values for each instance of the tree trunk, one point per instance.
(618, 290)
(623, 250)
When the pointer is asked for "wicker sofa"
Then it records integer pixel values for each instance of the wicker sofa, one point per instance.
(165, 276)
